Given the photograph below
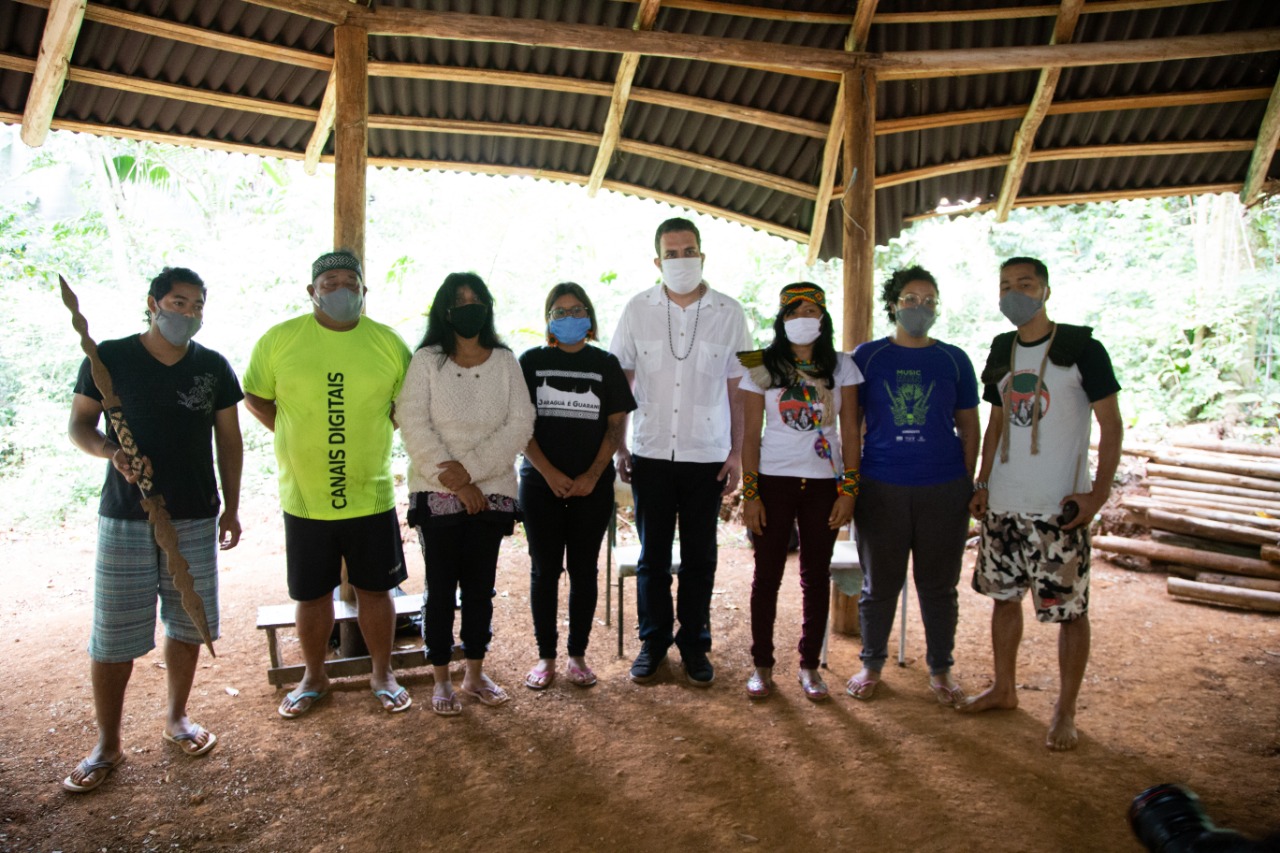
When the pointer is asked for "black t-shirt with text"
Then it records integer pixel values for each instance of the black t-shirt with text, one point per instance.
(170, 410)
(574, 394)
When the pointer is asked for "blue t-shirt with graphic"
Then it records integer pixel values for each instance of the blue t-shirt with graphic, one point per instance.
(909, 399)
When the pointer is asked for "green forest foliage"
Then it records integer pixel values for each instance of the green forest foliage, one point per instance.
(1182, 291)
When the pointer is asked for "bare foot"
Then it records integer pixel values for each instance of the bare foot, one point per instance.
(990, 700)
(1062, 732)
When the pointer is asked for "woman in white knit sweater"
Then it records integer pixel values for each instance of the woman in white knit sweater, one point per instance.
(465, 415)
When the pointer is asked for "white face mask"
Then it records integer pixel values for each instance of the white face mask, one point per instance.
(803, 330)
(681, 275)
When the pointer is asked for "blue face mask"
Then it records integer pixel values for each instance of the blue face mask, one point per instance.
(570, 330)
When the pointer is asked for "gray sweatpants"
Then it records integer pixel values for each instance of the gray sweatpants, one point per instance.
(929, 524)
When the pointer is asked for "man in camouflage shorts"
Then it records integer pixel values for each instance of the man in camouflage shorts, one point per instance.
(1046, 382)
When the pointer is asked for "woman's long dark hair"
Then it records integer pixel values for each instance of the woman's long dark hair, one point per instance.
(780, 361)
(440, 333)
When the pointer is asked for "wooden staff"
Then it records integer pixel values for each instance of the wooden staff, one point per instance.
(166, 535)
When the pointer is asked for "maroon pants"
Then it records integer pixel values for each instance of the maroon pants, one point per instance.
(807, 503)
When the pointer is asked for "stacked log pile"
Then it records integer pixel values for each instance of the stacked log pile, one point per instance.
(1213, 512)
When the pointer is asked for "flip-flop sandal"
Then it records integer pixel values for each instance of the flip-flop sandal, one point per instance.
(949, 696)
(861, 690)
(391, 701)
(541, 679)
(292, 707)
(581, 676)
(188, 741)
(88, 768)
(491, 695)
(446, 706)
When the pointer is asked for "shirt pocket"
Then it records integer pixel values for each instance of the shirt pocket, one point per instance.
(713, 359)
(649, 354)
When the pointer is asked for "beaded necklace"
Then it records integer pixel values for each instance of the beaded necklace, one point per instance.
(670, 342)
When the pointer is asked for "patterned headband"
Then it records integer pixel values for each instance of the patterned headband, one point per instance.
(335, 261)
(808, 292)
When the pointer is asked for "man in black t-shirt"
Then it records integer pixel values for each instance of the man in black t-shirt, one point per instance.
(176, 396)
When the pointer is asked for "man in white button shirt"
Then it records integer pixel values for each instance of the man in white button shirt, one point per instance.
(677, 342)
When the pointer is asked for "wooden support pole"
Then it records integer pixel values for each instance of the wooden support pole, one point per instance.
(1263, 150)
(858, 205)
(1271, 553)
(1024, 140)
(856, 39)
(324, 125)
(645, 16)
(62, 26)
(351, 139)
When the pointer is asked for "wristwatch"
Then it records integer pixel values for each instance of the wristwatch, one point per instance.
(980, 486)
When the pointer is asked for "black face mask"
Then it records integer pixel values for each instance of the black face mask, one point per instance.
(467, 320)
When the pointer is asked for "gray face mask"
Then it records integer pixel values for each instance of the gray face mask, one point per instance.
(916, 321)
(1019, 308)
(342, 305)
(177, 329)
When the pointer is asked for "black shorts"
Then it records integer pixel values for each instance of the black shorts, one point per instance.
(315, 549)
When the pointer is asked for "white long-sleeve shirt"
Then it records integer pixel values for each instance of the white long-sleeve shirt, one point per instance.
(479, 416)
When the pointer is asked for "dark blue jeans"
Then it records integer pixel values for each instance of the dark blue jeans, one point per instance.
(667, 494)
(564, 533)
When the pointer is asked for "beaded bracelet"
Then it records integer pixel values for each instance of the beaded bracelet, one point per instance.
(750, 486)
(852, 480)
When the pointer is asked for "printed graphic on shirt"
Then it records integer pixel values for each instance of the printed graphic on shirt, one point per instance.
(200, 399)
(795, 411)
(337, 437)
(555, 403)
(1022, 396)
(910, 403)
(804, 415)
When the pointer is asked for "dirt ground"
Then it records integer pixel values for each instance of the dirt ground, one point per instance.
(1174, 692)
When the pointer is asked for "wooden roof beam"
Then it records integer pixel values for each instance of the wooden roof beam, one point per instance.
(459, 26)
(1024, 140)
(645, 16)
(198, 36)
(61, 27)
(1088, 198)
(1085, 105)
(710, 210)
(1090, 152)
(855, 40)
(1263, 150)
(337, 11)
(905, 65)
(324, 125)
(925, 64)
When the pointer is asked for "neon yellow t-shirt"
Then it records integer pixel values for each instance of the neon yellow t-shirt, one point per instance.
(333, 393)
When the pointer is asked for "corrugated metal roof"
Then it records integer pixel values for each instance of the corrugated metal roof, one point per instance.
(715, 160)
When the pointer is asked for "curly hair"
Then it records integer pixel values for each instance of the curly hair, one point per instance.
(899, 279)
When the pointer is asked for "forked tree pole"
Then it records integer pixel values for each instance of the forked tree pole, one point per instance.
(858, 204)
(351, 136)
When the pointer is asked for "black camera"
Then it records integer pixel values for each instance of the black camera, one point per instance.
(1170, 819)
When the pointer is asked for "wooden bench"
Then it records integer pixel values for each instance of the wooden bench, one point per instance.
(273, 617)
